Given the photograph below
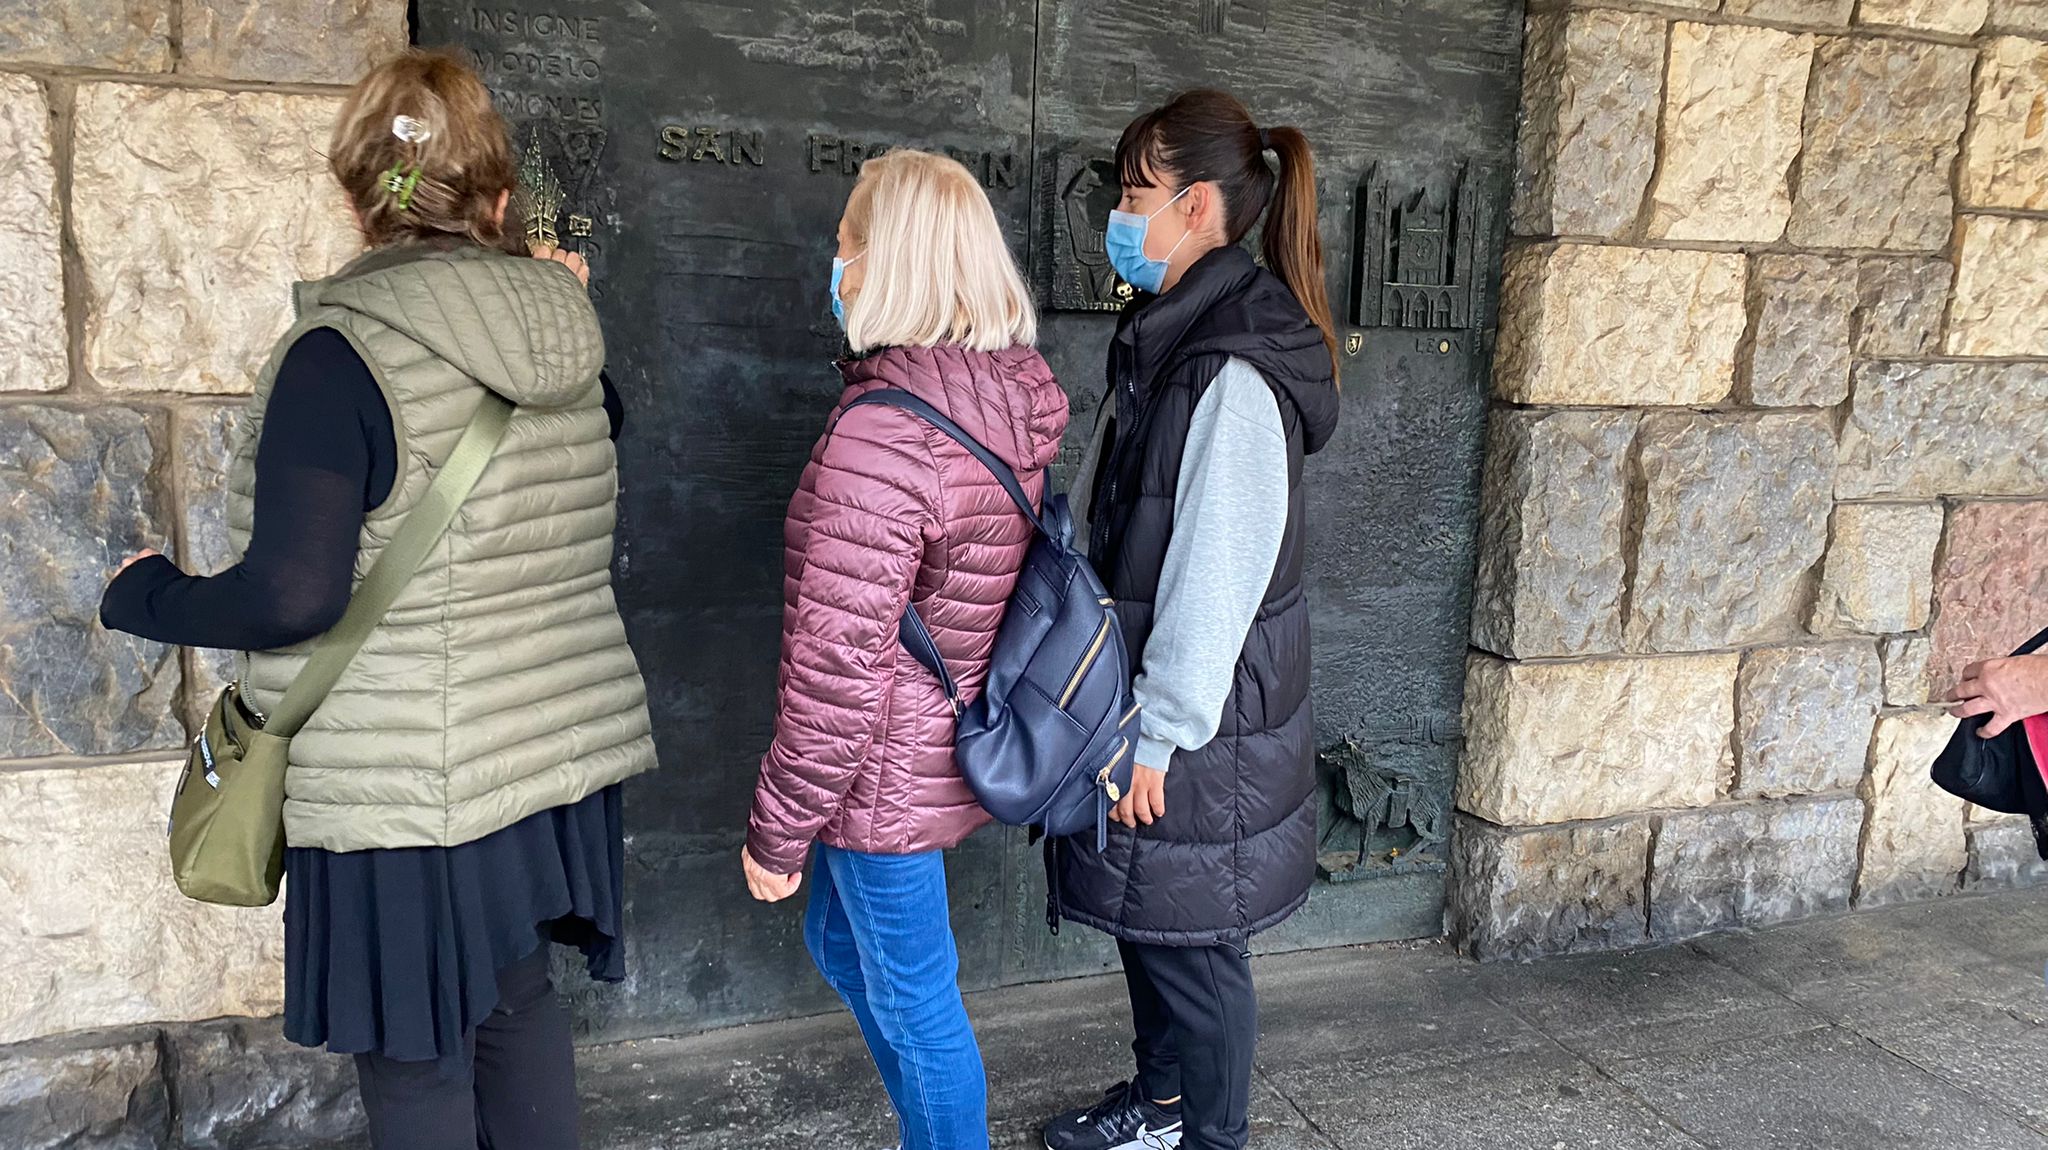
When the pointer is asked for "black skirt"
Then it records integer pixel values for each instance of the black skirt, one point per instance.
(396, 952)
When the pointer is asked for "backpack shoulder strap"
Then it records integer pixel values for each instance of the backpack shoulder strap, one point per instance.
(423, 527)
(893, 397)
(910, 629)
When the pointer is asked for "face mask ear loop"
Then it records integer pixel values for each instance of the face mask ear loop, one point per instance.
(1176, 196)
(1176, 245)
(1185, 232)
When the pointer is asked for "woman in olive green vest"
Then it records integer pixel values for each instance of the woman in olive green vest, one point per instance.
(453, 806)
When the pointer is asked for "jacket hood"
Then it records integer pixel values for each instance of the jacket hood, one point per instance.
(1007, 399)
(1226, 304)
(524, 328)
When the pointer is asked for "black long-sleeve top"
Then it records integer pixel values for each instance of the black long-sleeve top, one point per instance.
(328, 455)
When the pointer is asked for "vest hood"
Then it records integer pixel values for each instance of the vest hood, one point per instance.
(1007, 399)
(524, 328)
(1226, 304)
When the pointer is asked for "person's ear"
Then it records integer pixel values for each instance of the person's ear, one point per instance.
(504, 202)
(1201, 210)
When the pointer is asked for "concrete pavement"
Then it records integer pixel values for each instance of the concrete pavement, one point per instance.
(1916, 1026)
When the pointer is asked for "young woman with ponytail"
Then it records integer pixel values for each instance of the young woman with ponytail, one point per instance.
(1222, 379)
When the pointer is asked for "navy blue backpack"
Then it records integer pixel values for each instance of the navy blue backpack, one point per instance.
(1049, 742)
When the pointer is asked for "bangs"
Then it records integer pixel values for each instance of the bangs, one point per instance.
(1141, 153)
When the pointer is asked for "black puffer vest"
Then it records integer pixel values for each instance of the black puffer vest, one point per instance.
(1236, 851)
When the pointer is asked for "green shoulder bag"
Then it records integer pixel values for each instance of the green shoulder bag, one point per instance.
(227, 817)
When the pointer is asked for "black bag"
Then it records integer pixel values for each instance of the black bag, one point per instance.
(1048, 744)
(2000, 773)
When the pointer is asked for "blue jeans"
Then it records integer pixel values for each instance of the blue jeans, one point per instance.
(878, 929)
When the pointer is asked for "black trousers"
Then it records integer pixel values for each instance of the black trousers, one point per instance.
(512, 1086)
(1197, 1019)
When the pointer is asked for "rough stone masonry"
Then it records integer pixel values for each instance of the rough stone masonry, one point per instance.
(1765, 468)
(161, 176)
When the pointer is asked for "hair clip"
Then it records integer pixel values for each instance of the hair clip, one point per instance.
(402, 180)
(411, 130)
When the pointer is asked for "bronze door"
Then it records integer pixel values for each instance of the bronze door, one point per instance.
(699, 154)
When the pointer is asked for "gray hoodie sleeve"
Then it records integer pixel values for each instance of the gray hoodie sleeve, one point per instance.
(1229, 517)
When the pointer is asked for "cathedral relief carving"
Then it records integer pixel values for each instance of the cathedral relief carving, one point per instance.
(1421, 250)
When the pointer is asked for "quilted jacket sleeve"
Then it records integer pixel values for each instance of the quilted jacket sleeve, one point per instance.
(873, 492)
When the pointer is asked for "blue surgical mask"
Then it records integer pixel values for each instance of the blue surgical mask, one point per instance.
(1124, 242)
(839, 267)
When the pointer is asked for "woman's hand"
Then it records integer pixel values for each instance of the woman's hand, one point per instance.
(139, 556)
(567, 259)
(2007, 689)
(1146, 799)
(765, 884)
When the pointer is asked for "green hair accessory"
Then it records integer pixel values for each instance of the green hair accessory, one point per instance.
(402, 180)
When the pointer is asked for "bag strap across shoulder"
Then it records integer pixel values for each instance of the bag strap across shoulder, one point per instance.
(910, 629)
(401, 558)
(894, 397)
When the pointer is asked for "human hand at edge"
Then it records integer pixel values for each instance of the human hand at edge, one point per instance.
(139, 556)
(1146, 799)
(765, 884)
(2008, 689)
(567, 259)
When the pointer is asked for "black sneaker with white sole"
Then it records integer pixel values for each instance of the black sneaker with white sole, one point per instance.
(1123, 1120)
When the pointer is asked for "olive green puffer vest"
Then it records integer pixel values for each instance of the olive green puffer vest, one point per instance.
(500, 683)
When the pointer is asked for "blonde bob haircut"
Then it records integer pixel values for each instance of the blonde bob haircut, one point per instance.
(938, 271)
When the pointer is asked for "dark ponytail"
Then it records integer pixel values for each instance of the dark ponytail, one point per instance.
(1293, 243)
(1208, 135)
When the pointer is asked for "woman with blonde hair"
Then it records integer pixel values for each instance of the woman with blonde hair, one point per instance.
(889, 513)
(452, 806)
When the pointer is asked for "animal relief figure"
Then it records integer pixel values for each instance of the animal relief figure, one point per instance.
(1377, 794)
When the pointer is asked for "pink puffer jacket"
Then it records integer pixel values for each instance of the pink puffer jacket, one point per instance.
(889, 510)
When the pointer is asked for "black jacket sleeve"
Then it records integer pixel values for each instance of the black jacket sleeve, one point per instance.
(327, 455)
(614, 408)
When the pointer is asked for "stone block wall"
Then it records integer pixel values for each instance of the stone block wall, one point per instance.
(1768, 464)
(161, 182)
